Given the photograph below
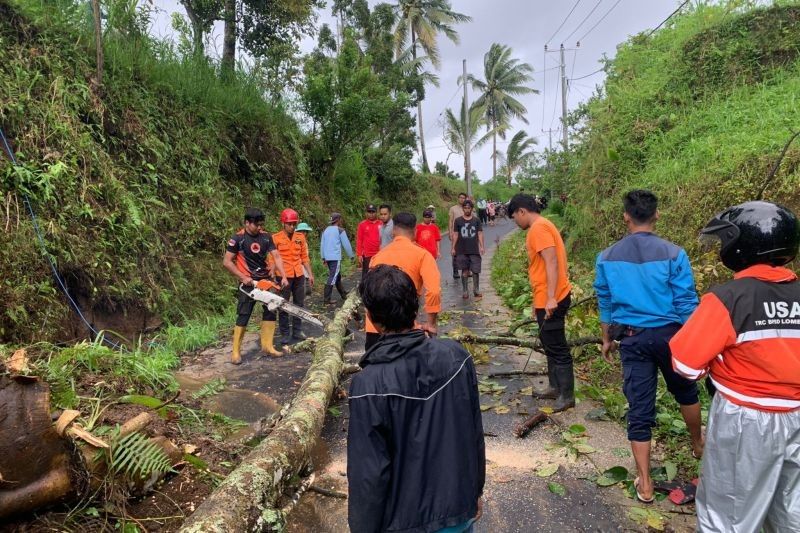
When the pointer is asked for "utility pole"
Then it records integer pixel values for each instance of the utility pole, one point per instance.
(467, 165)
(98, 39)
(564, 100)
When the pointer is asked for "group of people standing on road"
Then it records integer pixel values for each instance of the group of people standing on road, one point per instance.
(416, 454)
(744, 335)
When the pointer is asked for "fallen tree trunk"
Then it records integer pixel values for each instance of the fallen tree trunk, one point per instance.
(536, 344)
(248, 499)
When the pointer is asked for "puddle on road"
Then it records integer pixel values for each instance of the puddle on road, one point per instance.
(242, 404)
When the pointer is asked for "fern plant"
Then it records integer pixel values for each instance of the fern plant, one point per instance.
(135, 456)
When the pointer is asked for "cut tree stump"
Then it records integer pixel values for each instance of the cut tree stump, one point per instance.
(248, 499)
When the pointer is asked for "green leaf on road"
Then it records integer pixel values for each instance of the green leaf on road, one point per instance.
(547, 470)
(584, 448)
(557, 488)
(577, 429)
(672, 470)
(612, 476)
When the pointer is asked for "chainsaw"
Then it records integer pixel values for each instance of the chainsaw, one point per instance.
(263, 292)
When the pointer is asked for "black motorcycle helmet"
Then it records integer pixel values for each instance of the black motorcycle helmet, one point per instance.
(755, 233)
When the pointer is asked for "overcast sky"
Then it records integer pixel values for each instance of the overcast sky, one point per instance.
(526, 26)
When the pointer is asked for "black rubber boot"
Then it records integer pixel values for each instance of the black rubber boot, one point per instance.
(565, 377)
(551, 392)
(327, 295)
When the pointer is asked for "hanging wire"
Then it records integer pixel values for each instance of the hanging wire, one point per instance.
(40, 238)
(563, 22)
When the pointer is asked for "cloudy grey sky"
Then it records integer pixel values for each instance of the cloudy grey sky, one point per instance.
(526, 26)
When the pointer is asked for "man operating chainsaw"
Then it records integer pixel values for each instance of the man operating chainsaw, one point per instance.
(246, 258)
(293, 249)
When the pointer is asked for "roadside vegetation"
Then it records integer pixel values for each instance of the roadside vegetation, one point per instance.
(698, 112)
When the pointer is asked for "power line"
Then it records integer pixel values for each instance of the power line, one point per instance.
(584, 20)
(555, 102)
(587, 75)
(458, 89)
(599, 21)
(572, 72)
(563, 22)
(669, 17)
(544, 83)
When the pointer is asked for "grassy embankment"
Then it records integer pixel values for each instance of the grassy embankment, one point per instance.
(138, 183)
(698, 113)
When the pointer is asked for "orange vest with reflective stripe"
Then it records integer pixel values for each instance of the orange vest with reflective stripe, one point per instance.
(293, 251)
(746, 335)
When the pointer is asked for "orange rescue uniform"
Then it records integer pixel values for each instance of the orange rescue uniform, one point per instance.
(541, 235)
(293, 251)
(420, 266)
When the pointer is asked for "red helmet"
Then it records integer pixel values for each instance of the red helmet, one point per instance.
(289, 215)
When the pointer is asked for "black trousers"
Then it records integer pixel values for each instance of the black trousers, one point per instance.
(245, 306)
(295, 292)
(484, 218)
(364, 265)
(553, 335)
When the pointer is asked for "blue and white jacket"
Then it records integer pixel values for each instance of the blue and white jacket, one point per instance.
(644, 281)
(333, 240)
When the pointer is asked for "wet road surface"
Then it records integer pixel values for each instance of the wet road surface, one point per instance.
(516, 498)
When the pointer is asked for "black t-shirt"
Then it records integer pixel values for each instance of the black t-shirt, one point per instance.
(467, 243)
(251, 253)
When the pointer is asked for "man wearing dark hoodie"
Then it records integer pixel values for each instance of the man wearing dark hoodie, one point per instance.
(415, 450)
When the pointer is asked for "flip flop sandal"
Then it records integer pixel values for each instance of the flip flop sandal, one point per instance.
(678, 492)
(639, 495)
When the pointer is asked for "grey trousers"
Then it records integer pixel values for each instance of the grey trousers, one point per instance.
(751, 471)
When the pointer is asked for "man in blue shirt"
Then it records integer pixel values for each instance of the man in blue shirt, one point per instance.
(645, 292)
(334, 238)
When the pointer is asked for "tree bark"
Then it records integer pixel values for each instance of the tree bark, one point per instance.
(248, 498)
(494, 149)
(536, 344)
(198, 50)
(98, 39)
(425, 167)
(229, 39)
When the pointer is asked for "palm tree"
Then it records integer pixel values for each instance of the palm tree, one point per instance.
(454, 129)
(519, 151)
(422, 21)
(506, 78)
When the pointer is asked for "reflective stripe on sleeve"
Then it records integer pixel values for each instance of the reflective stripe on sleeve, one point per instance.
(780, 403)
(763, 334)
(687, 371)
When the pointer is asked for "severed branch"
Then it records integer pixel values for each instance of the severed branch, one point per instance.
(536, 344)
(525, 427)
(328, 492)
(777, 165)
(532, 320)
(512, 373)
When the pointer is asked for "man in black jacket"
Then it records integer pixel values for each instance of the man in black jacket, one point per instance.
(415, 451)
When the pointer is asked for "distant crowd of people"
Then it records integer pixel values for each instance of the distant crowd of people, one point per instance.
(416, 453)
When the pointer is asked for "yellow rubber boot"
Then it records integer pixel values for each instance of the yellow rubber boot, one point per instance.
(238, 335)
(267, 336)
